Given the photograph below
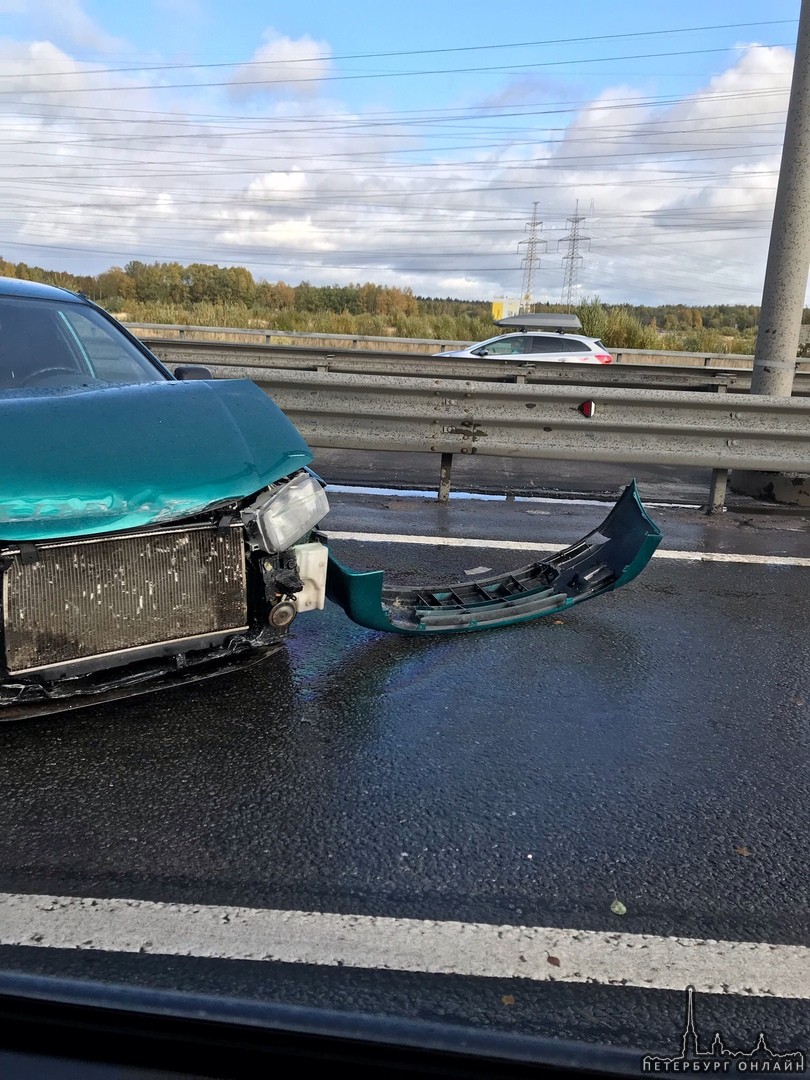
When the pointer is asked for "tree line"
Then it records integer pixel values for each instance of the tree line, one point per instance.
(198, 283)
(208, 294)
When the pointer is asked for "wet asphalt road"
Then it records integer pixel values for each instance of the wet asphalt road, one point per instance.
(529, 776)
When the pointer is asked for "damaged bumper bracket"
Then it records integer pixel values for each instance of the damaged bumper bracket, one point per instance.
(603, 560)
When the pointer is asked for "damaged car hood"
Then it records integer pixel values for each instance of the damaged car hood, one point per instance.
(86, 460)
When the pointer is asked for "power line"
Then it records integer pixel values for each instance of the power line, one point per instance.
(318, 58)
(404, 117)
(499, 69)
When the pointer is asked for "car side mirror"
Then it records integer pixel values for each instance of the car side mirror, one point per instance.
(192, 371)
(482, 352)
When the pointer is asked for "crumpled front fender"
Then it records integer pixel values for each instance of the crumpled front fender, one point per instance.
(606, 558)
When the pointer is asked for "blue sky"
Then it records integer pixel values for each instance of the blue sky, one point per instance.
(408, 146)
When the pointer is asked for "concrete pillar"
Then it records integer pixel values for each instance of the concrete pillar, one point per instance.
(788, 261)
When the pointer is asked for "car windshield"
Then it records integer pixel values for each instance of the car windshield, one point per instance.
(48, 343)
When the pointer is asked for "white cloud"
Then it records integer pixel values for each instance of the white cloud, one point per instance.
(282, 66)
(293, 236)
(39, 76)
(66, 22)
(278, 183)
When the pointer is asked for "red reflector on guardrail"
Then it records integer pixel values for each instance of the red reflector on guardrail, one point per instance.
(587, 408)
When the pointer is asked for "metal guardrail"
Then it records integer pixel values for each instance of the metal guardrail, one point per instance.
(455, 416)
(640, 426)
(492, 369)
(268, 336)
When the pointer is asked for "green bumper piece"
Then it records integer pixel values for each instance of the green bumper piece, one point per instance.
(603, 560)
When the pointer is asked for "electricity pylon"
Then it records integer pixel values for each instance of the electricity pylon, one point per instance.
(572, 260)
(530, 261)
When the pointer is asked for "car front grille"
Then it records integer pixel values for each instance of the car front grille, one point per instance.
(76, 601)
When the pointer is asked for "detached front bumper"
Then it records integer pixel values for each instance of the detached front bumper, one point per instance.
(606, 558)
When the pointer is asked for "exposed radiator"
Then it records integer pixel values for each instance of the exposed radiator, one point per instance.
(89, 598)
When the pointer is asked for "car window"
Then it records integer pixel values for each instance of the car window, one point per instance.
(572, 345)
(557, 344)
(548, 345)
(31, 343)
(510, 346)
(110, 356)
(45, 343)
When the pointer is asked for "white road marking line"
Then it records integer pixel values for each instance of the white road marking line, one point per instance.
(445, 948)
(531, 545)
(729, 557)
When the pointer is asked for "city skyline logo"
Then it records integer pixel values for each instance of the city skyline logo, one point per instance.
(719, 1058)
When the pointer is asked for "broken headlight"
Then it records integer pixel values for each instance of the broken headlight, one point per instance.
(283, 514)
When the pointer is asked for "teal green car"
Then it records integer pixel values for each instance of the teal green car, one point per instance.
(157, 527)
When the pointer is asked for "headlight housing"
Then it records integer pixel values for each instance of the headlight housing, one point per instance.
(282, 515)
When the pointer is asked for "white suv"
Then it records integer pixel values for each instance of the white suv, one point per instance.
(556, 348)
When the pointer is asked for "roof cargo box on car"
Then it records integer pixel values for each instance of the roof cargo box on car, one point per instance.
(549, 320)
